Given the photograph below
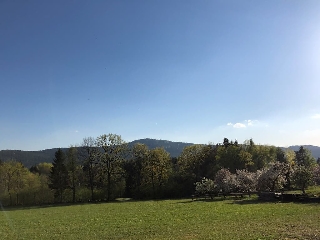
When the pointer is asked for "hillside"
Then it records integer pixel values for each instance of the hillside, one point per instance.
(174, 148)
(314, 149)
(29, 158)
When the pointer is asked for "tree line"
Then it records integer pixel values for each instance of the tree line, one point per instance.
(105, 168)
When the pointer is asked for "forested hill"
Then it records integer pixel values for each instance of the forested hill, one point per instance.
(174, 148)
(30, 158)
(314, 149)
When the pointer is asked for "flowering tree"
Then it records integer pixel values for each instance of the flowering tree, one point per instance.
(316, 175)
(225, 181)
(246, 181)
(273, 177)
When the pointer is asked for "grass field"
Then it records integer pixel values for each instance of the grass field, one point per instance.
(165, 219)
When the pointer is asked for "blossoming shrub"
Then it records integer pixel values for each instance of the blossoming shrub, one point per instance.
(246, 181)
(205, 186)
(316, 175)
(272, 178)
(225, 181)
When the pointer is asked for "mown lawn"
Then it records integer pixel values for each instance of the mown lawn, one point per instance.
(165, 219)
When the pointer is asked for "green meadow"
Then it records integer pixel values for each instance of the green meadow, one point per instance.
(164, 219)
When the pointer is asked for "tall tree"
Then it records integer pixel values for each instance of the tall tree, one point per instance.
(13, 177)
(89, 152)
(281, 156)
(73, 166)
(157, 169)
(304, 164)
(113, 152)
(226, 142)
(59, 175)
(134, 167)
(245, 159)
(190, 161)
(302, 177)
(304, 158)
(230, 158)
(33, 185)
(290, 156)
(209, 166)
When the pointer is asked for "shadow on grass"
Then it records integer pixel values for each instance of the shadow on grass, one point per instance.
(53, 205)
(257, 201)
(248, 201)
(215, 199)
(228, 200)
(253, 201)
(29, 207)
(199, 200)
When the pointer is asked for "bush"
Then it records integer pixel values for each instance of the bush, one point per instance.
(206, 186)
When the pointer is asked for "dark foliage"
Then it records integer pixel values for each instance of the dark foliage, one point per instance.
(59, 175)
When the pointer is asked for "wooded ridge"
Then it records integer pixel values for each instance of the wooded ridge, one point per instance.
(30, 158)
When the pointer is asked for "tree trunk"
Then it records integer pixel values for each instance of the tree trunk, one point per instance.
(10, 194)
(74, 195)
(73, 189)
(10, 199)
(91, 181)
(138, 189)
(303, 189)
(109, 186)
(61, 195)
(153, 187)
(92, 197)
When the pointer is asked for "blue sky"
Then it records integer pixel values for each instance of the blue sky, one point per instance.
(191, 71)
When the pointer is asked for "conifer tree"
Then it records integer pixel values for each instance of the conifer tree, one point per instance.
(59, 175)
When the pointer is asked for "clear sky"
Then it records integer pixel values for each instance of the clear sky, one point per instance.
(191, 71)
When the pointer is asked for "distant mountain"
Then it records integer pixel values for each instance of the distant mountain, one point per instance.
(315, 150)
(30, 158)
